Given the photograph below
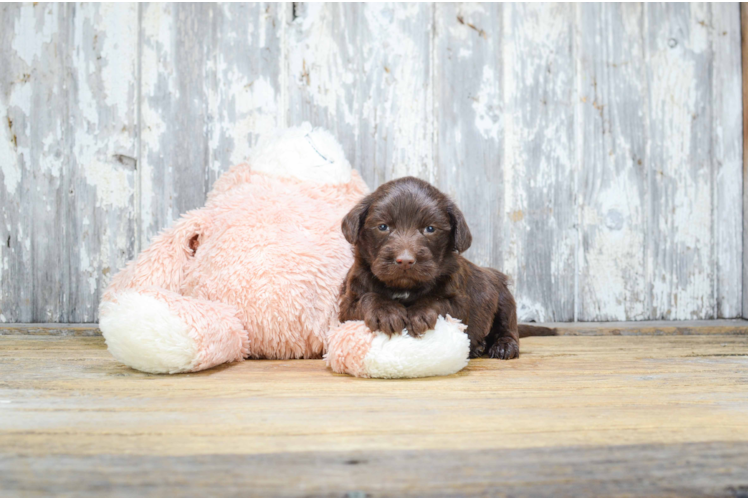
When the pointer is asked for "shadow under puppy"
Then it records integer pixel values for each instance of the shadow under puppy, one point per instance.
(408, 237)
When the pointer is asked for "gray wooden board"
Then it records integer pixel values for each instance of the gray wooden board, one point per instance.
(175, 152)
(573, 416)
(727, 150)
(396, 108)
(364, 72)
(595, 149)
(99, 216)
(611, 183)
(678, 470)
(321, 60)
(210, 86)
(52, 329)
(744, 61)
(468, 114)
(68, 156)
(680, 174)
(539, 147)
(596, 328)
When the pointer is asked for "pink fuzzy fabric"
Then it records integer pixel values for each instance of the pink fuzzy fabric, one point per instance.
(265, 279)
(348, 345)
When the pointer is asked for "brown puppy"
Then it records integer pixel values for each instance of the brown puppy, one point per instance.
(408, 270)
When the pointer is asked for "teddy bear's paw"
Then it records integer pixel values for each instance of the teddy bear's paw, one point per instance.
(353, 349)
(142, 332)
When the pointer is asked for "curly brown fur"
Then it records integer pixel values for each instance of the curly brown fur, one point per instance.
(408, 270)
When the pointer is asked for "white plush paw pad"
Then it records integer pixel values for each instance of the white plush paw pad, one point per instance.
(143, 333)
(441, 351)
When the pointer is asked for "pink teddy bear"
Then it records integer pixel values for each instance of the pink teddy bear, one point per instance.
(256, 273)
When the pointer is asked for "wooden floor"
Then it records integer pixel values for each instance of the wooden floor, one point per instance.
(621, 415)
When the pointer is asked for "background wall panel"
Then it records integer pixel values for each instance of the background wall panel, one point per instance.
(68, 148)
(612, 190)
(469, 103)
(539, 156)
(595, 149)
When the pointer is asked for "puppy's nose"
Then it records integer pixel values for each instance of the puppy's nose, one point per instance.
(405, 260)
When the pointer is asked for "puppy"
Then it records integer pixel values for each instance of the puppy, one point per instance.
(408, 270)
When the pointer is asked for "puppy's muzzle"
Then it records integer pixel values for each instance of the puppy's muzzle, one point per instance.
(405, 260)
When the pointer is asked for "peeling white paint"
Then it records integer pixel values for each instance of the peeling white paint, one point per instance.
(317, 64)
(150, 140)
(254, 107)
(682, 278)
(52, 158)
(158, 32)
(530, 311)
(398, 99)
(8, 156)
(119, 53)
(34, 29)
(112, 183)
(485, 104)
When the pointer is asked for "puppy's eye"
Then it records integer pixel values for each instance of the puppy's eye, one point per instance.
(430, 229)
(383, 227)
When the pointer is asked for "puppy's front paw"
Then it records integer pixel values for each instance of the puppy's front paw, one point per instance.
(387, 318)
(504, 348)
(421, 320)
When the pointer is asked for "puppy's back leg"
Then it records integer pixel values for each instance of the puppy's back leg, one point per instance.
(503, 341)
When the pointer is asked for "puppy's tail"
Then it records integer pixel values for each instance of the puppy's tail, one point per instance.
(536, 331)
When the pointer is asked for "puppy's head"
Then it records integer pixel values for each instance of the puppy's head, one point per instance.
(405, 231)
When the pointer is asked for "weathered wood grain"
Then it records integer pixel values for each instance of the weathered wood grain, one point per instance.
(322, 63)
(99, 217)
(61, 329)
(68, 156)
(364, 72)
(174, 109)
(577, 411)
(726, 155)
(681, 180)
(395, 92)
(595, 149)
(30, 100)
(648, 328)
(84, 402)
(596, 328)
(210, 86)
(611, 190)
(744, 61)
(245, 71)
(469, 119)
(681, 470)
(539, 153)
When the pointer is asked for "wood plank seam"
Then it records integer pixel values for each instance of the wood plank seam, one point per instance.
(744, 74)
(642, 328)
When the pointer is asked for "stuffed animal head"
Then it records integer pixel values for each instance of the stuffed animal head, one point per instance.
(305, 153)
(298, 154)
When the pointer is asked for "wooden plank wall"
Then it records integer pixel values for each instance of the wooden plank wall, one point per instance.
(596, 149)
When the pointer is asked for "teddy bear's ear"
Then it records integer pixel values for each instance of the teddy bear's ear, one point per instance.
(354, 220)
(187, 235)
(194, 243)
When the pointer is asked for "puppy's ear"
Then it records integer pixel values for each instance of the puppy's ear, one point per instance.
(460, 231)
(354, 220)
